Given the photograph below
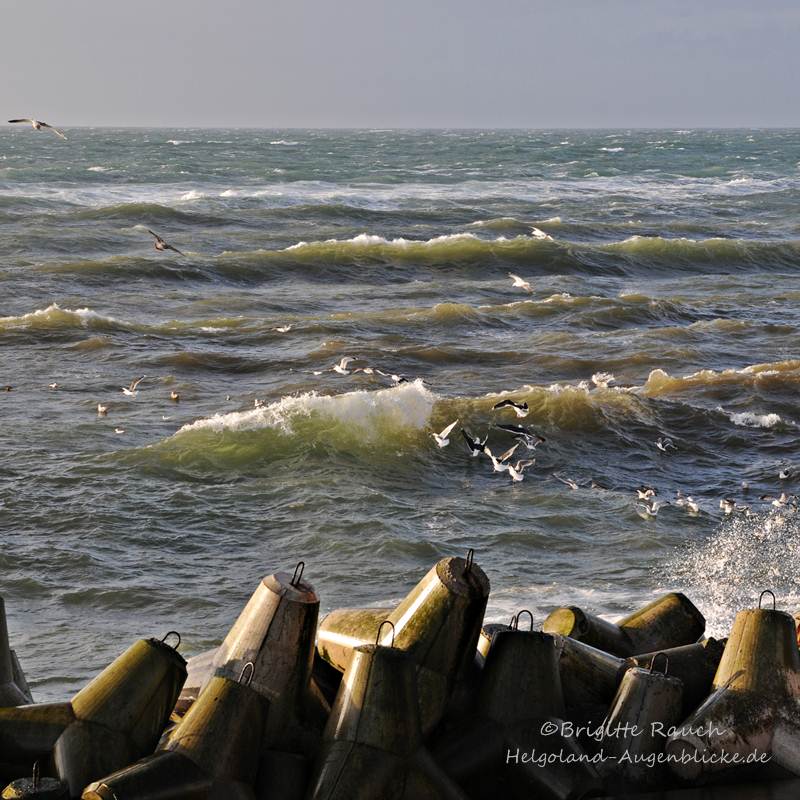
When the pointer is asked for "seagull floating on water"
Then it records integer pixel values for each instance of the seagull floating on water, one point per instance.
(785, 474)
(476, 446)
(160, 245)
(119, 430)
(52, 386)
(650, 508)
(646, 492)
(441, 438)
(174, 396)
(520, 409)
(37, 125)
(780, 502)
(686, 502)
(102, 410)
(602, 379)
(728, 505)
(520, 283)
(283, 329)
(665, 444)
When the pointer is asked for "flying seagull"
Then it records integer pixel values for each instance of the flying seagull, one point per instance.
(500, 464)
(441, 438)
(567, 482)
(516, 470)
(521, 283)
(341, 367)
(650, 508)
(476, 446)
(130, 391)
(531, 438)
(161, 245)
(602, 379)
(520, 409)
(37, 125)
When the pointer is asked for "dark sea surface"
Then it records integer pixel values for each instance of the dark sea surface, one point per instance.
(668, 258)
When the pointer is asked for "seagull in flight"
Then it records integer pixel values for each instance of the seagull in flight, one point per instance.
(341, 367)
(567, 482)
(160, 245)
(650, 508)
(500, 464)
(531, 439)
(441, 438)
(131, 391)
(476, 446)
(520, 409)
(516, 470)
(521, 283)
(37, 125)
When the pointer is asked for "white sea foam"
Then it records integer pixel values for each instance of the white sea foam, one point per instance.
(612, 149)
(285, 143)
(54, 313)
(371, 240)
(98, 169)
(408, 405)
(750, 419)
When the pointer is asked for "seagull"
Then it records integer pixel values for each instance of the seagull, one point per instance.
(539, 234)
(686, 502)
(602, 379)
(258, 403)
(341, 367)
(650, 508)
(161, 245)
(102, 410)
(520, 409)
(522, 284)
(119, 430)
(499, 464)
(174, 396)
(780, 502)
(37, 125)
(728, 505)
(394, 378)
(516, 471)
(476, 446)
(52, 386)
(283, 329)
(130, 391)
(646, 492)
(785, 474)
(567, 482)
(665, 444)
(7, 388)
(441, 438)
(531, 439)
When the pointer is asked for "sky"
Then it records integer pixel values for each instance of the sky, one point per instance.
(402, 63)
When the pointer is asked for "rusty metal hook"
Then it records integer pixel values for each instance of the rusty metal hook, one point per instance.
(244, 669)
(380, 627)
(761, 597)
(470, 559)
(666, 662)
(301, 565)
(519, 614)
(172, 633)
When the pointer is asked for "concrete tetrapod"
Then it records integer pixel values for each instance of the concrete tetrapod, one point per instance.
(669, 621)
(36, 788)
(437, 624)
(519, 712)
(212, 754)
(372, 745)
(115, 719)
(589, 678)
(753, 714)
(11, 694)
(646, 707)
(693, 664)
(275, 632)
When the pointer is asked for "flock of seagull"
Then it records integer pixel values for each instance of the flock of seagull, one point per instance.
(647, 504)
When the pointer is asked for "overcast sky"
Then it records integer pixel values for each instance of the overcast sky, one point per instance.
(402, 63)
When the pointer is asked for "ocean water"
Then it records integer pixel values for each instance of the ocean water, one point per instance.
(668, 258)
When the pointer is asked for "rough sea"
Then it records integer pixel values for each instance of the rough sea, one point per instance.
(668, 258)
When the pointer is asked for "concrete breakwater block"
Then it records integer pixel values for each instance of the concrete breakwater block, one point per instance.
(438, 624)
(669, 621)
(373, 745)
(117, 718)
(213, 753)
(752, 717)
(13, 686)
